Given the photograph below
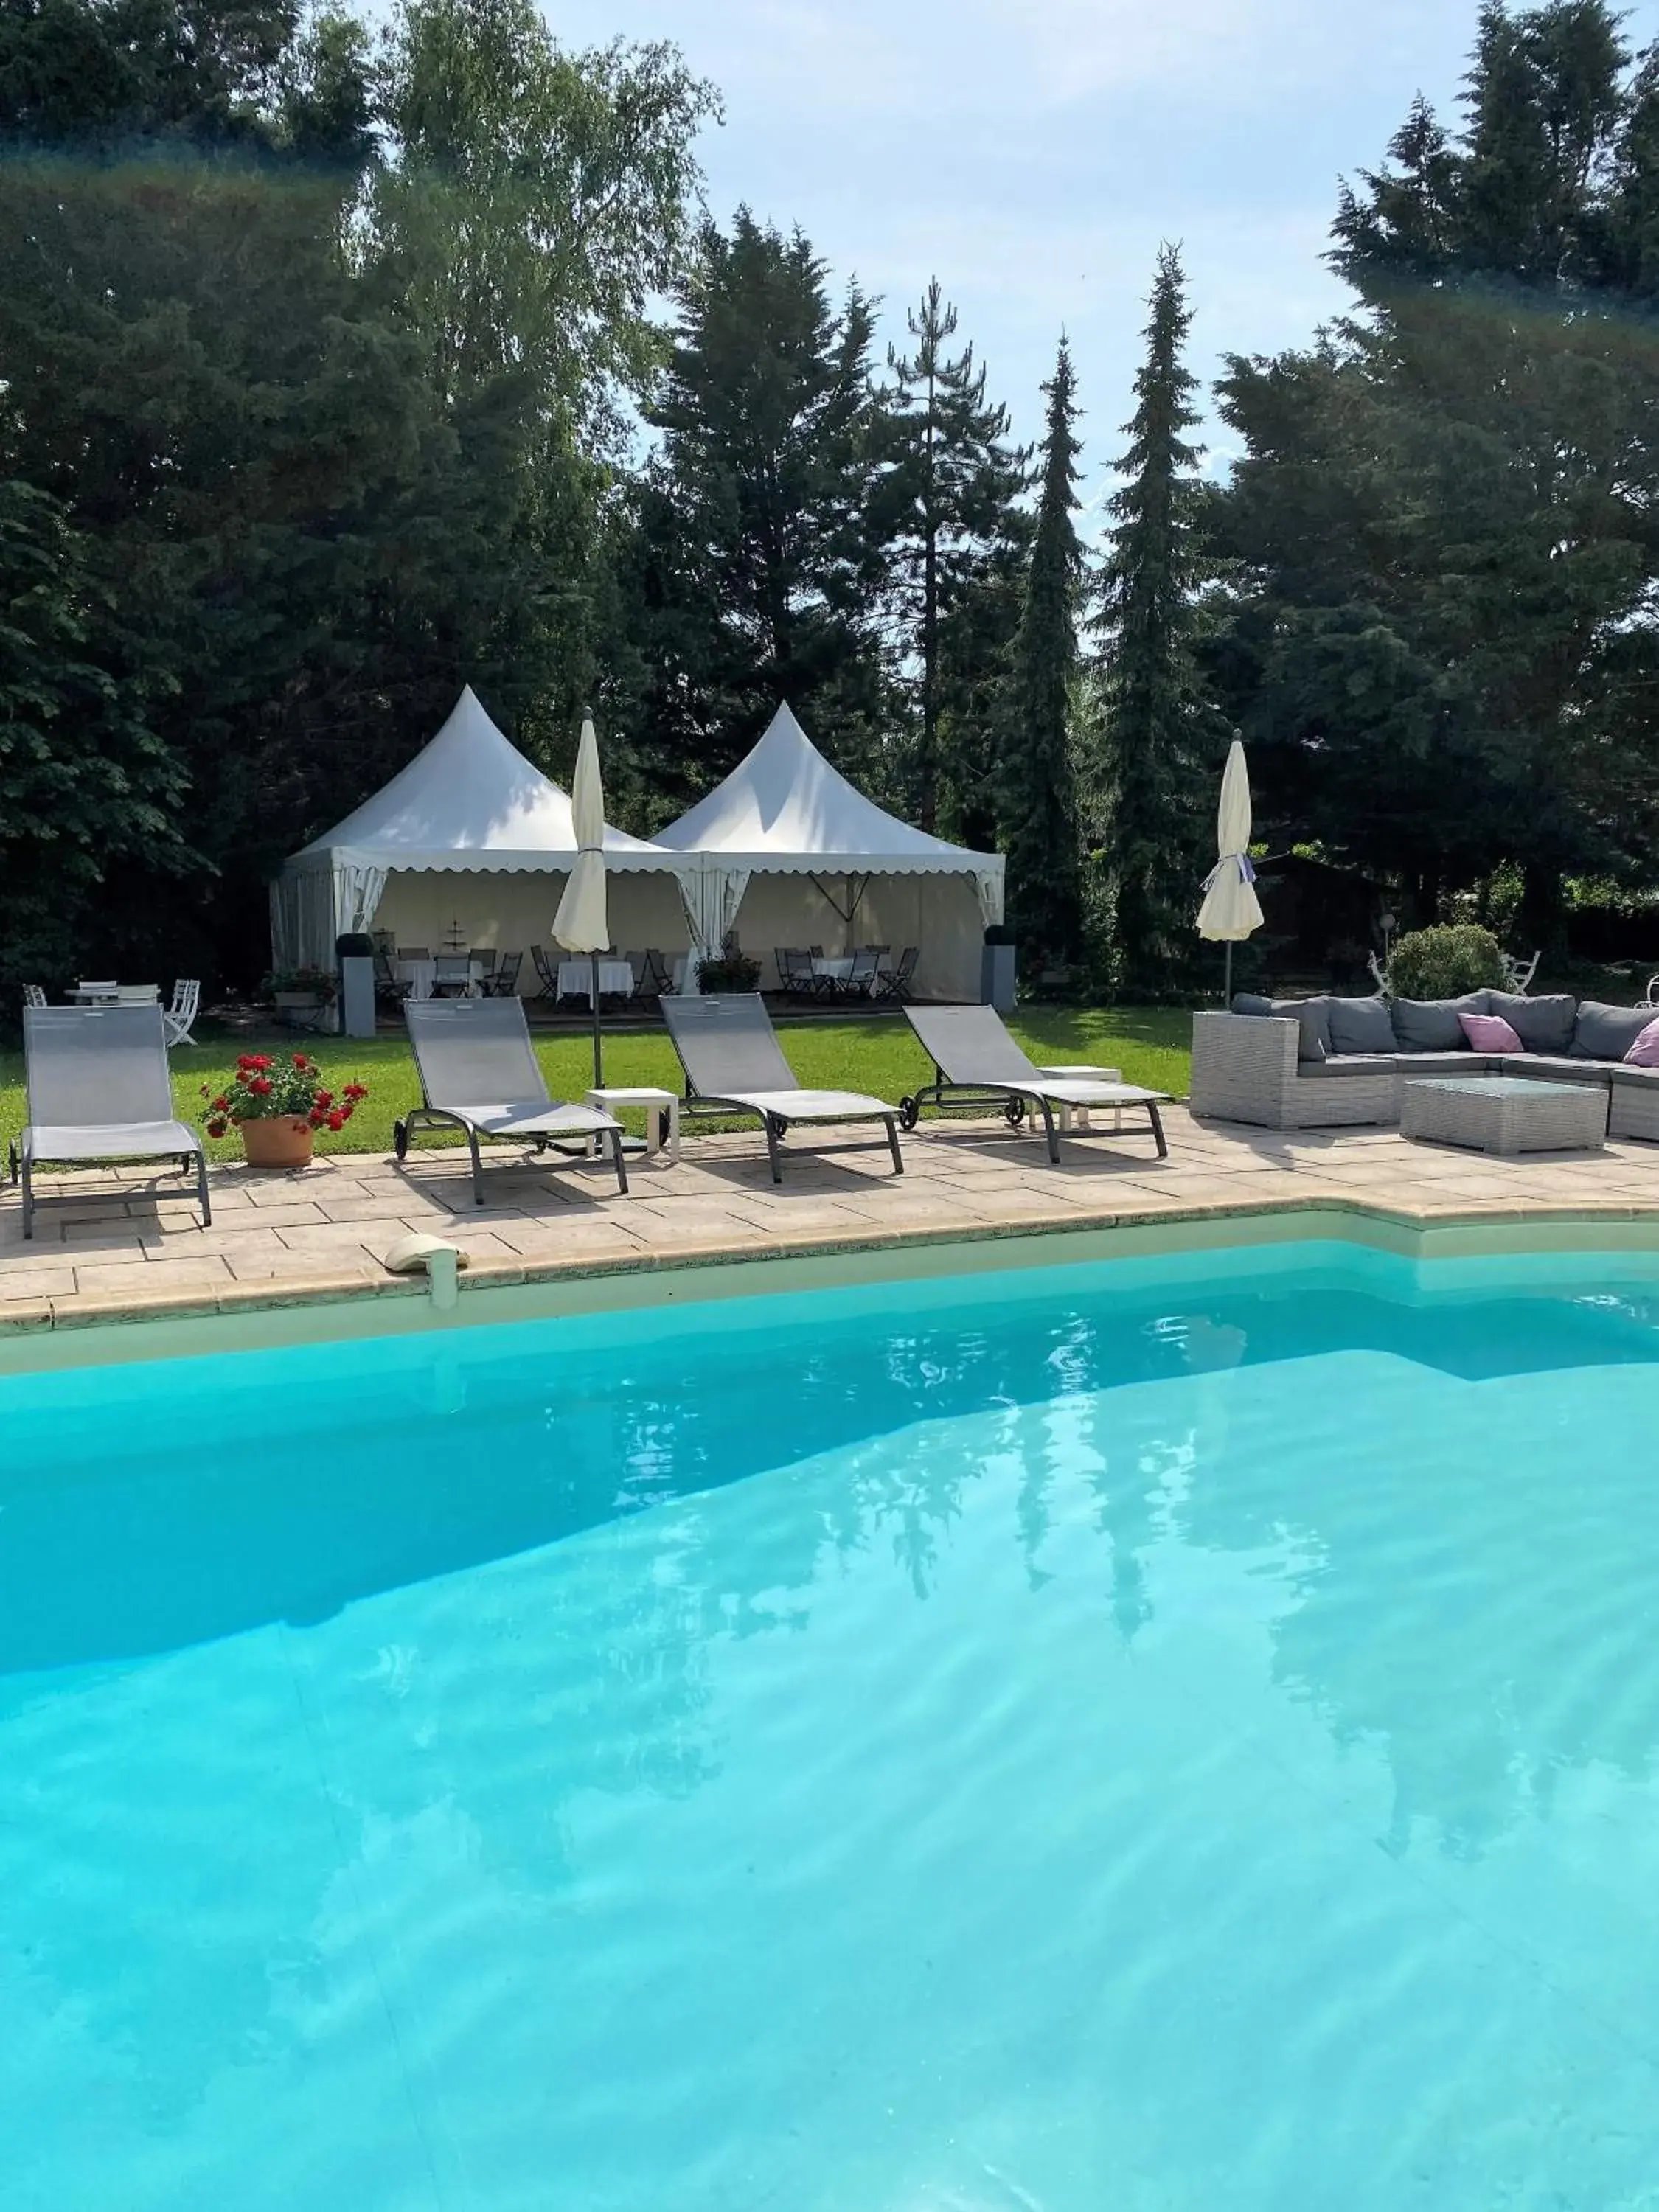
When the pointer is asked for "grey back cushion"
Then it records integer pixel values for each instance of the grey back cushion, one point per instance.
(1542, 1024)
(1360, 1025)
(1431, 1024)
(1309, 1016)
(1603, 1032)
(1312, 1017)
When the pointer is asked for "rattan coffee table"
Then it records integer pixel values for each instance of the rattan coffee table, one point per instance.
(1505, 1113)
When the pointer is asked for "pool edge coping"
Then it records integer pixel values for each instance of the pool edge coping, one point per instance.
(83, 1330)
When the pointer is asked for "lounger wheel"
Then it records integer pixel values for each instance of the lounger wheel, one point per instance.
(909, 1112)
(400, 1139)
(1013, 1112)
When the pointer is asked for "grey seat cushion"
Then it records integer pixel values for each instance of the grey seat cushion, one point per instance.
(1360, 1025)
(1352, 1063)
(1250, 1002)
(1542, 1024)
(1553, 1067)
(1604, 1032)
(1431, 1024)
(1424, 1065)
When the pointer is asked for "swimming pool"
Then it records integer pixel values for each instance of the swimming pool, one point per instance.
(1174, 1733)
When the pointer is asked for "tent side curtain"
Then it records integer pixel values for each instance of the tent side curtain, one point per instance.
(311, 906)
(712, 894)
(988, 883)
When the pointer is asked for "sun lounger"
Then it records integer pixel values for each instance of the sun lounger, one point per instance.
(976, 1062)
(733, 1065)
(98, 1090)
(480, 1074)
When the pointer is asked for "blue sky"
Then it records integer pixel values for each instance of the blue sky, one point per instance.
(1033, 153)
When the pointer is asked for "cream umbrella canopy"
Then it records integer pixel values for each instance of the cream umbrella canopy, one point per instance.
(1232, 909)
(582, 923)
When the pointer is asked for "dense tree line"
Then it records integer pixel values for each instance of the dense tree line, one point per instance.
(333, 373)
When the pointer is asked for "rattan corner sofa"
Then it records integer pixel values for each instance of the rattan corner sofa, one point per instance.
(1272, 1065)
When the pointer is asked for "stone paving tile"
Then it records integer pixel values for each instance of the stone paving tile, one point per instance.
(156, 1280)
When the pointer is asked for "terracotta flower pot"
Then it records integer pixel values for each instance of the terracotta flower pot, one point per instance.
(280, 1141)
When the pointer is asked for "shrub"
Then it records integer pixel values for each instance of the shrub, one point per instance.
(733, 972)
(1445, 963)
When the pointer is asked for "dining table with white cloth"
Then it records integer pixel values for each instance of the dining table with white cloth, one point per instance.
(422, 974)
(576, 979)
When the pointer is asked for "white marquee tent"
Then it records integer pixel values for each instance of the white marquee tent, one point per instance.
(794, 855)
(465, 839)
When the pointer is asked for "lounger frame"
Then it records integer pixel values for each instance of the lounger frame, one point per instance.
(499, 1018)
(1016, 1098)
(762, 1102)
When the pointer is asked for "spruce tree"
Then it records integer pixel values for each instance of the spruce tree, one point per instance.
(954, 484)
(1037, 792)
(757, 560)
(1155, 722)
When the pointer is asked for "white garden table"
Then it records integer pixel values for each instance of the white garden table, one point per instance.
(115, 994)
(662, 1113)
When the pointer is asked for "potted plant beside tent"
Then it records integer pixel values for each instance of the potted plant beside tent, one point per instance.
(277, 1104)
(734, 970)
(300, 994)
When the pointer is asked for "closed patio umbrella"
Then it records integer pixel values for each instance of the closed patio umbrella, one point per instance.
(1232, 909)
(582, 923)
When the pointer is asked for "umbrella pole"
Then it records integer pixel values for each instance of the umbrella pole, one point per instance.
(1227, 989)
(598, 1058)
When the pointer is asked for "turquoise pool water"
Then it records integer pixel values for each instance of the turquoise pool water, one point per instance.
(1151, 1737)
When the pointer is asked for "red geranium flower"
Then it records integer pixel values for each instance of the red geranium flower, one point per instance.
(222, 1105)
(337, 1120)
(260, 1086)
(300, 1060)
(325, 1099)
(215, 1128)
(316, 1119)
(244, 1060)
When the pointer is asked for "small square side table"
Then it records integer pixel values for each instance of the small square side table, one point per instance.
(662, 1113)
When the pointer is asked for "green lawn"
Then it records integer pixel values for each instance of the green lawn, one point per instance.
(1150, 1045)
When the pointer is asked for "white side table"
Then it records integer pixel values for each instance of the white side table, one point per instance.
(662, 1114)
(1078, 1075)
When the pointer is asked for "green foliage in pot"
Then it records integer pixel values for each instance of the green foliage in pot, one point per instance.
(1444, 962)
(733, 972)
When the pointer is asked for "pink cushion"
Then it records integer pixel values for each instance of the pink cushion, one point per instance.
(1490, 1033)
(1644, 1053)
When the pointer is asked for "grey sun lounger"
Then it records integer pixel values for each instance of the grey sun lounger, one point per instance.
(479, 1074)
(98, 1089)
(733, 1065)
(976, 1061)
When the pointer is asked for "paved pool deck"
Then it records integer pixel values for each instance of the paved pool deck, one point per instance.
(130, 1245)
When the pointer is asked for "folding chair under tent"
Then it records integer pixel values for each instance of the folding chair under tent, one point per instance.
(99, 1091)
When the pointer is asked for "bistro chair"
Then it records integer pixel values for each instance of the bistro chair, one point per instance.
(503, 981)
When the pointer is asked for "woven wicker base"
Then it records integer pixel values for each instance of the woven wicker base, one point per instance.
(1496, 1115)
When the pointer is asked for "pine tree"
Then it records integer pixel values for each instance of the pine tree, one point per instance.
(757, 559)
(954, 484)
(1155, 722)
(1037, 793)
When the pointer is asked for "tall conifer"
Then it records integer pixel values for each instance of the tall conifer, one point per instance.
(954, 481)
(1155, 719)
(1037, 791)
